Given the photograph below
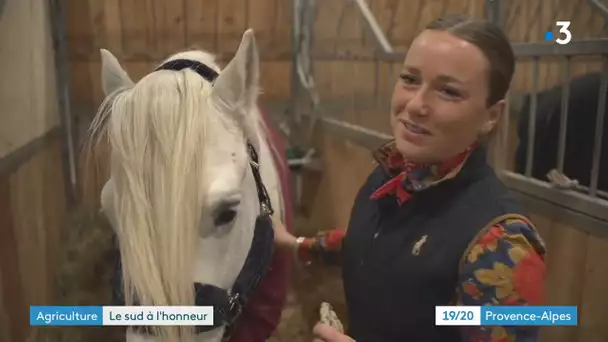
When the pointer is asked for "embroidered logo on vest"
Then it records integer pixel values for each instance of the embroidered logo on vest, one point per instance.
(418, 245)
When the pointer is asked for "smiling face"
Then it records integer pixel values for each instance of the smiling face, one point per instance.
(440, 102)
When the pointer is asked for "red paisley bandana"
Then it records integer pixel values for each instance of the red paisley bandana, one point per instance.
(407, 170)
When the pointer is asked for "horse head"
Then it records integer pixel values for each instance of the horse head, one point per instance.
(184, 197)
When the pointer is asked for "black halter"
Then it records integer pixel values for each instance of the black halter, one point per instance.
(227, 304)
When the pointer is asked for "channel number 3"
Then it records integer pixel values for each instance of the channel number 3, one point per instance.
(563, 29)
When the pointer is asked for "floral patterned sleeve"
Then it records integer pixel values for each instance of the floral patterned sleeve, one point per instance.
(324, 247)
(505, 267)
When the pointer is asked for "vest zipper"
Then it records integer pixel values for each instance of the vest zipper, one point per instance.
(371, 246)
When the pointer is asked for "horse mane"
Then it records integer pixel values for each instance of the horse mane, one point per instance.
(156, 166)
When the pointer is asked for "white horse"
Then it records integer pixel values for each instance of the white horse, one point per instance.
(182, 197)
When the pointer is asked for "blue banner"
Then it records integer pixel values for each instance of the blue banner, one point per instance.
(121, 315)
(66, 315)
(529, 315)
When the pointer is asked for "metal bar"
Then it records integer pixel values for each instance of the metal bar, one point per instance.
(391, 56)
(599, 129)
(502, 10)
(295, 47)
(59, 34)
(585, 190)
(574, 48)
(532, 118)
(359, 135)
(495, 12)
(598, 6)
(563, 118)
(576, 201)
(564, 215)
(381, 40)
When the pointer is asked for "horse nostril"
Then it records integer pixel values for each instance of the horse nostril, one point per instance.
(225, 217)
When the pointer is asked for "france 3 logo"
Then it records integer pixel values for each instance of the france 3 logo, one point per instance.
(565, 35)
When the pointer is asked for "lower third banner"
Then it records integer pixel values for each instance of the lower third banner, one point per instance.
(121, 315)
(506, 315)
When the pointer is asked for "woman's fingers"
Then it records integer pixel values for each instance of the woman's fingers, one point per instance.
(282, 237)
(326, 333)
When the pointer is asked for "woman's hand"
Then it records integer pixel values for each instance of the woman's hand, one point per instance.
(325, 333)
(282, 238)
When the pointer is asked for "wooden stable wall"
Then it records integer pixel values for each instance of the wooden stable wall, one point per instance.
(141, 33)
(32, 201)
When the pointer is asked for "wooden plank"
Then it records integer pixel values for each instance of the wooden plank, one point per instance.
(169, 23)
(383, 14)
(112, 25)
(275, 79)
(341, 71)
(79, 31)
(12, 286)
(37, 205)
(543, 226)
(201, 24)
(350, 30)
(154, 56)
(460, 6)
(95, 87)
(262, 18)
(97, 22)
(386, 75)
(565, 272)
(231, 20)
(593, 310)
(431, 10)
(402, 31)
(29, 219)
(326, 26)
(80, 84)
(138, 36)
(283, 19)
(476, 8)
(5, 328)
(365, 87)
(323, 79)
(55, 210)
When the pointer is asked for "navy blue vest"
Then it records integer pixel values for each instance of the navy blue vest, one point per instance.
(391, 291)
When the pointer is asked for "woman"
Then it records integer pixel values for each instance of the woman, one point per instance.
(433, 225)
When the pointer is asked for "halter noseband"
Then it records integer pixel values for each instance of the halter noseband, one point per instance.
(227, 304)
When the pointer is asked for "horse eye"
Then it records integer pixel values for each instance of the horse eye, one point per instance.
(225, 217)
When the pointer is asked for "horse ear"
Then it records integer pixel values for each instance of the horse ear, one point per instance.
(237, 86)
(113, 76)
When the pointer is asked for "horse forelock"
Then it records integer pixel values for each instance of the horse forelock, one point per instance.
(154, 177)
